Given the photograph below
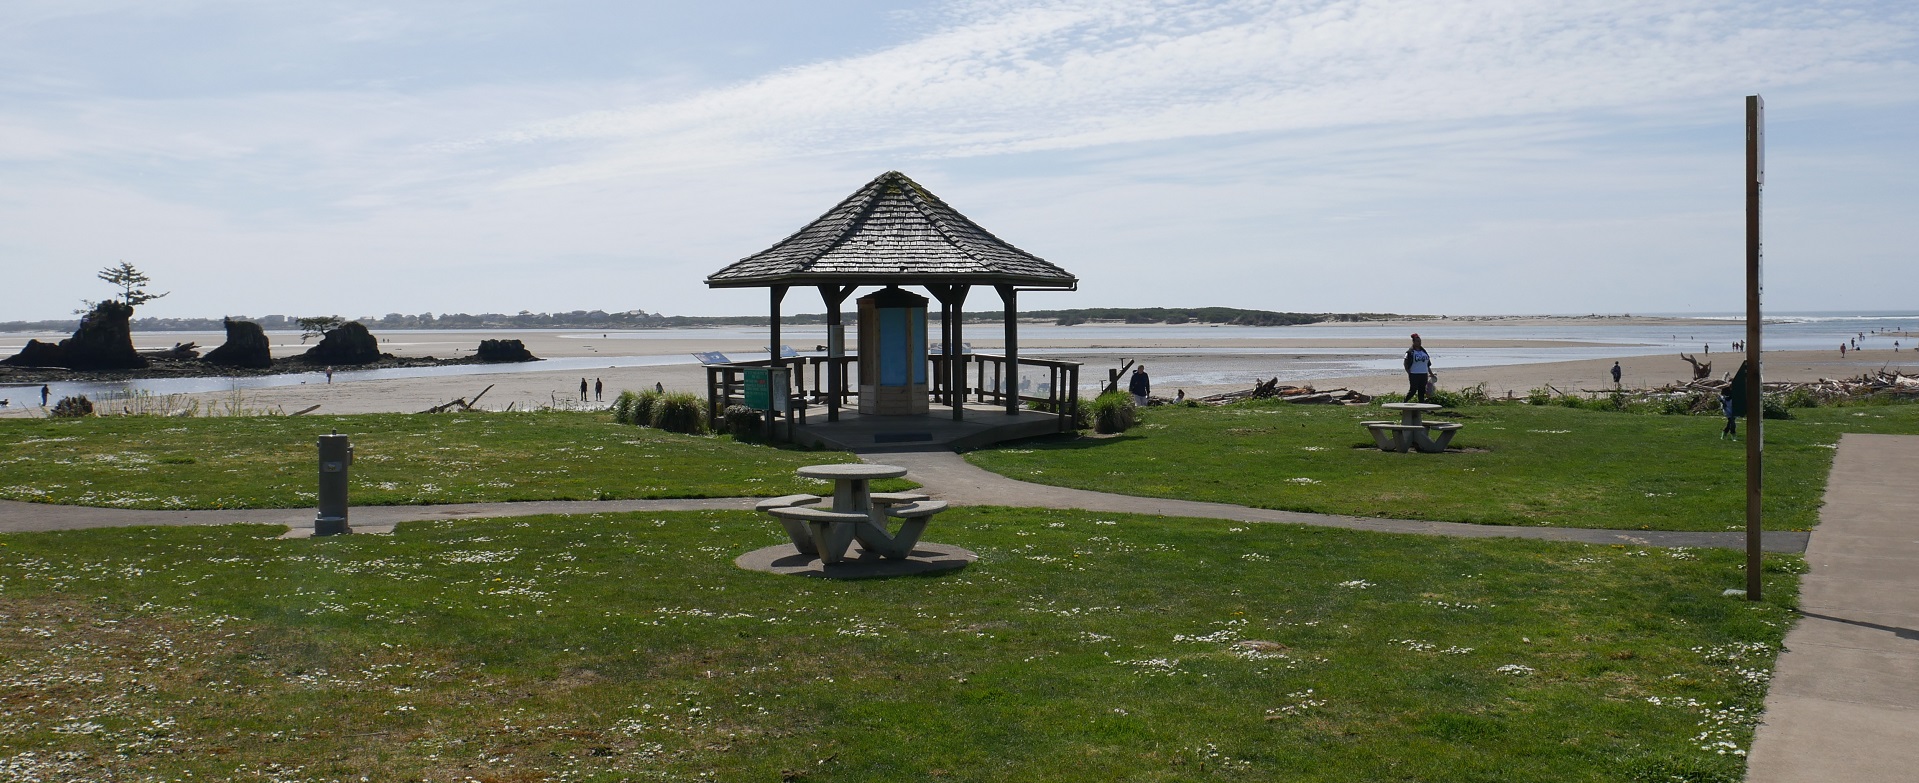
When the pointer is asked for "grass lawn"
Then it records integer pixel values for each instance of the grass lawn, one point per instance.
(1080, 647)
(400, 459)
(1520, 464)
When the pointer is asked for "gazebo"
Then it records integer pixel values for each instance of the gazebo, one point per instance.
(891, 233)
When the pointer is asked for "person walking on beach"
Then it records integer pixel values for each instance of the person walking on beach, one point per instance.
(1418, 364)
(659, 387)
(1842, 350)
(582, 390)
(1615, 374)
(1140, 386)
(597, 389)
(44, 393)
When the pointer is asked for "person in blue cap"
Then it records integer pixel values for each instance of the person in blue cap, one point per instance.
(1418, 365)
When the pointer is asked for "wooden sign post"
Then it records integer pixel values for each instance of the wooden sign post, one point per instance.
(1755, 407)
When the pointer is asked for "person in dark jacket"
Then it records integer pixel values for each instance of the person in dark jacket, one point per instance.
(1418, 364)
(1732, 402)
(1140, 386)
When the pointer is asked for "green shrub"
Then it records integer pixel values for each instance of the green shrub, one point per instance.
(623, 406)
(1539, 395)
(1801, 398)
(644, 404)
(682, 412)
(743, 422)
(1679, 404)
(73, 407)
(1773, 406)
(1114, 412)
(1471, 395)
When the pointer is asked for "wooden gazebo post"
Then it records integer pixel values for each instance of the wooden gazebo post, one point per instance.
(834, 296)
(952, 299)
(773, 351)
(1009, 387)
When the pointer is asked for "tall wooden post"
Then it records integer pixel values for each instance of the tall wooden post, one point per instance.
(1009, 299)
(1755, 408)
(773, 352)
(956, 356)
(835, 296)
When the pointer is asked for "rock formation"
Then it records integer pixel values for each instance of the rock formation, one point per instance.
(504, 351)
(246, 346)
(37, 354)
(104, 341)
(348, 343)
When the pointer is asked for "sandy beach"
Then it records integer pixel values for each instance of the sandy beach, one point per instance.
(1200, 366)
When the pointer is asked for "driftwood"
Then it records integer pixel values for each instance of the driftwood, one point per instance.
(460, 403)
(1825, 390)
(1699, 371)
(1298, 395)
(304, 411)
(179, 352)
(1113, 376)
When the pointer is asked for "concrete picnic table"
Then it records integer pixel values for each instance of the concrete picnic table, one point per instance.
(1412, 431)
(850, 482)
(856, 513)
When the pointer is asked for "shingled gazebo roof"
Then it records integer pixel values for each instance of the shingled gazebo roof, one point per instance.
(892, 232)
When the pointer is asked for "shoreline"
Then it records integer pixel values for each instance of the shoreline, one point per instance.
(1199, 363)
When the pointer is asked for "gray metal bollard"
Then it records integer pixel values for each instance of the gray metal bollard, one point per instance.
(336, 456)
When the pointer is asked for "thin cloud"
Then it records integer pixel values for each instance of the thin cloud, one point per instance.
(1011, 78)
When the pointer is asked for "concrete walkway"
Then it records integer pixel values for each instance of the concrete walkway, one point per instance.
(949, 477)
(1844, 702)
(943, 474)
(17, 517)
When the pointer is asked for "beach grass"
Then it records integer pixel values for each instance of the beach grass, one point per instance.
(1081, 647)
(1516, 465)
(399, 459)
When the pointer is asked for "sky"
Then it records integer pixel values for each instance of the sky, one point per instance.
(1410, 156)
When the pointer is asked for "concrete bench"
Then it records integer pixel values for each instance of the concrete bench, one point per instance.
(820, 531)
(895, 546)
(784, 501)
(795, 529)
(1424, 441)
(919, 508)
(896, 498)
(1390, 436)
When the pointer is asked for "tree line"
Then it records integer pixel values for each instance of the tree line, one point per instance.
(640, 319)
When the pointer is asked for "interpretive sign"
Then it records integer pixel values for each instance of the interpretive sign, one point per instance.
(766, 388)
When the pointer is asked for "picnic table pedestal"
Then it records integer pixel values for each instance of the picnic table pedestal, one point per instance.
(1412, 432)
(856, 513)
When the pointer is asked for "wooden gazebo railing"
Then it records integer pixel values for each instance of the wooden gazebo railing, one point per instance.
(986, 379)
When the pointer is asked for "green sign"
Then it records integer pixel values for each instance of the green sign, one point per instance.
(759, 384)
(766, 388)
